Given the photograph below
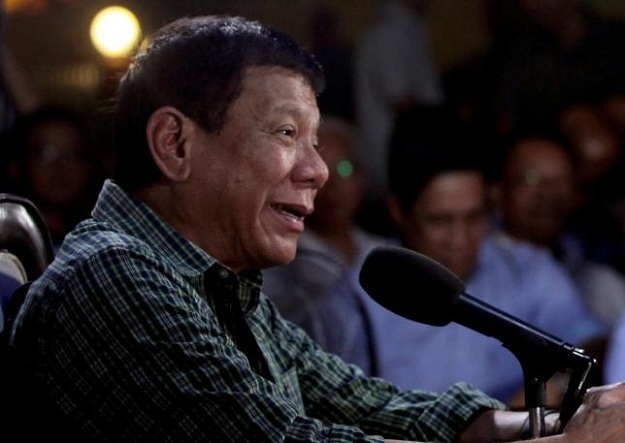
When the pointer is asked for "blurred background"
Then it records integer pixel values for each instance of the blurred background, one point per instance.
(48, 40)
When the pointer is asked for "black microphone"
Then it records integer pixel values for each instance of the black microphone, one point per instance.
(437, 298)
(418, 288)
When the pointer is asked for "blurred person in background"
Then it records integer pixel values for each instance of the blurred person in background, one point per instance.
(597, 152)
(54, 164)
(536, 195)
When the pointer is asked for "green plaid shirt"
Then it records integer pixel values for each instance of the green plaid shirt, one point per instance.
(124, 344)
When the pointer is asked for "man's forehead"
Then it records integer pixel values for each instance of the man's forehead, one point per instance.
(282, 88)
(279, 73)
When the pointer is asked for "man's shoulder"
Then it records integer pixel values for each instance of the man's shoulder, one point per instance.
(95, 237)
(509, 250)
(521, 263)
(98, 247)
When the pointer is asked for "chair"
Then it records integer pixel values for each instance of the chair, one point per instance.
(25, 252)
(24, 233)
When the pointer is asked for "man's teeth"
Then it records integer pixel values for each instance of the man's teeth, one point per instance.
(290, 211)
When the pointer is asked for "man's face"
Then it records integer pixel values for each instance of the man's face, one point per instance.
(57, 170)
(538, 191)
(448, 221)
(594, 141)
(255, 181)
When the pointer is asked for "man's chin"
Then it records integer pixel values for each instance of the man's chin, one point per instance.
(283, 256)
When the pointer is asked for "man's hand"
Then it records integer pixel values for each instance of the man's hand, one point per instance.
(601, 418)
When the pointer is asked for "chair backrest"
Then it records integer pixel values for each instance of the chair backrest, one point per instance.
(24, 233)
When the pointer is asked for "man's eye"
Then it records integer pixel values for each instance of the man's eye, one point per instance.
(289, 132)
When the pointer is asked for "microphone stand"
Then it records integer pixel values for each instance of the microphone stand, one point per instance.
(540, 354)
(535, 377)
(538, 368)
(582, 366)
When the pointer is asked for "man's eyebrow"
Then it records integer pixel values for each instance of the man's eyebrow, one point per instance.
(288, 108)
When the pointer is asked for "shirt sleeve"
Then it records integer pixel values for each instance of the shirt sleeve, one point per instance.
(336, 392)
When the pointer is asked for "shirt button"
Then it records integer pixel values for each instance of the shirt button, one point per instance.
(223, 273)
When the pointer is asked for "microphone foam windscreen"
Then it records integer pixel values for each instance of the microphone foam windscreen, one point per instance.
(411, 284)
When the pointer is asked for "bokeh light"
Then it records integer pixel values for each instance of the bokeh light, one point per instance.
(345, 168)
(115, 32)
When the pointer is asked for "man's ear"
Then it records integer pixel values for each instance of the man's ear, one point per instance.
(167, 132)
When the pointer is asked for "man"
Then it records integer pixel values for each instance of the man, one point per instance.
(536, 198)
(597, 153)
(54, 163)
(150, 325)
